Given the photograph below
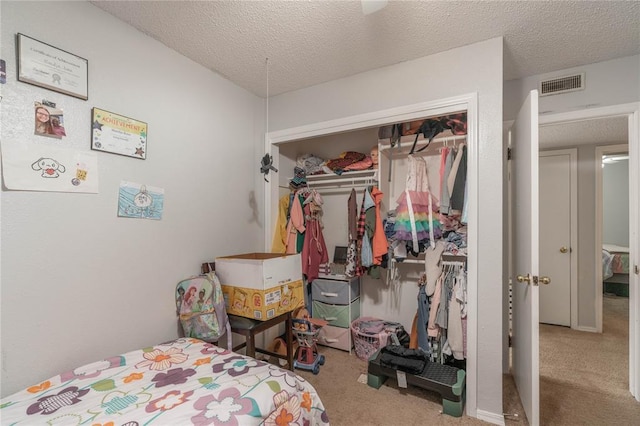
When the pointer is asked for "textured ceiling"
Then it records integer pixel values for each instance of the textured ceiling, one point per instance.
(310, 42)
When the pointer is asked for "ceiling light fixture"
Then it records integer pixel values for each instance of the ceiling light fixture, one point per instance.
(610, 159)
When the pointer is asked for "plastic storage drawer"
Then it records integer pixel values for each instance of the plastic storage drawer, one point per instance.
(337, 315)
(335, 292)
(335, 337)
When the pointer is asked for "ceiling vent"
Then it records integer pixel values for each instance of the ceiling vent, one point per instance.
(555, 86)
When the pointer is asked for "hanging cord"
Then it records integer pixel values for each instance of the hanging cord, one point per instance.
(267, 100)
(266, 163)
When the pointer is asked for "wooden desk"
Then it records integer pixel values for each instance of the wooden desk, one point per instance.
(249, 328)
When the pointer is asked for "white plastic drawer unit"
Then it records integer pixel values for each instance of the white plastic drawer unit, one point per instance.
(335, 292)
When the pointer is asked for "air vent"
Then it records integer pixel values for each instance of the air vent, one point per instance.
(555, 86)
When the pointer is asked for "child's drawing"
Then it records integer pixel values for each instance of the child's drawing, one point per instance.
(50, 168)
(29, 167)
(140, 201)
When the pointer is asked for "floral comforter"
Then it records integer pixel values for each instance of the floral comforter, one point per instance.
(183, 382)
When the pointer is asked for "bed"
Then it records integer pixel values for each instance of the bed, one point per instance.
(615, 269)
(182, 382)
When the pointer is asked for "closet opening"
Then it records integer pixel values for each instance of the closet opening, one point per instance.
(392, 296)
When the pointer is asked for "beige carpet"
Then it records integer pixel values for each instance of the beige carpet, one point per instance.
(584, 377)
(583, 381)
(349, 402)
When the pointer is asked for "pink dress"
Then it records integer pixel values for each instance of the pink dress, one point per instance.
(314, 251)
(295, 225)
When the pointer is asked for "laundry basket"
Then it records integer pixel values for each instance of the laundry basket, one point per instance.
(365, 341)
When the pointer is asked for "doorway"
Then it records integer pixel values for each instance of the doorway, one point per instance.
(622, 126)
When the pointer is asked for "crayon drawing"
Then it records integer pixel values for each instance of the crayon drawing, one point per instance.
(140, 201)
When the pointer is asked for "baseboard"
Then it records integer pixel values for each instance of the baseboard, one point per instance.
(494, 418)
(589, 329)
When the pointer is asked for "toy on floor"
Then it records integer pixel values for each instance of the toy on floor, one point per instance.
(306, 332)
(279, 346)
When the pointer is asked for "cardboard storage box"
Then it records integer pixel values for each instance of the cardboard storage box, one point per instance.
(261, 285)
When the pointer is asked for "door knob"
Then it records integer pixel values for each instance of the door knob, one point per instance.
(563, 249)
(522, 278)
(545, 280)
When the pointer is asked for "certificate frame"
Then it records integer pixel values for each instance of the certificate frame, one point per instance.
(118, 134)
(44, 65)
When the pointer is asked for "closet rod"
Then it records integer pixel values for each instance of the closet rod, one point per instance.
(436, 142)
(338, 189)
(452, 263)
(341, 182)
(448, 257)
(419, 261)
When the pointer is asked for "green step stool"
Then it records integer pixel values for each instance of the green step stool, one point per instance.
(448, 381)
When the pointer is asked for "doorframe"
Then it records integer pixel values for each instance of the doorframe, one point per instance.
(467, 102)
(573, 203)
(632, 112)
(600, 151)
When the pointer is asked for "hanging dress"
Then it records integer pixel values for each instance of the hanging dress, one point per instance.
(352, 211)
(314, 250)
(366, 254)
(415, 218)
(295, 227)
(279, 244)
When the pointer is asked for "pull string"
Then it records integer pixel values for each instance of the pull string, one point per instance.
(267, 109)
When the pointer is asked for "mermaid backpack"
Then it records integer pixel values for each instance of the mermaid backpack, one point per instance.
(201, 310)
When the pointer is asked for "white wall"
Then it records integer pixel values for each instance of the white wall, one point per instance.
(606, 83)
(78, 283)
(474, 68)
(615, 203)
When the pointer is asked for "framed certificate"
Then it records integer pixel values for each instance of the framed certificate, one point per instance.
(118, 134)
(46, 66)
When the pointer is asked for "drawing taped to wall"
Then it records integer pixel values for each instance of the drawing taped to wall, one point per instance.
(140, 201)
(44, 168)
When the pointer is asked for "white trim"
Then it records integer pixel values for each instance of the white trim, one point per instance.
(473, 154)
(469, 103)
(634, 252)
(494, 418)
(588, 329)
(573, 165)
(600, 151)
(589, 114)
(371, 119)
(632, 111)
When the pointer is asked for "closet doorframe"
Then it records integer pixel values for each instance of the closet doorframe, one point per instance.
(466, 102)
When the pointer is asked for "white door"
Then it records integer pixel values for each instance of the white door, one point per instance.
(525, 333)
(555, 236)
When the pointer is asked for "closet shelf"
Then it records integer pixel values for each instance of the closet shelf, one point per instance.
(346, 179)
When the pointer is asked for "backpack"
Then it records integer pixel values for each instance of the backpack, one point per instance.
(200, 307)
